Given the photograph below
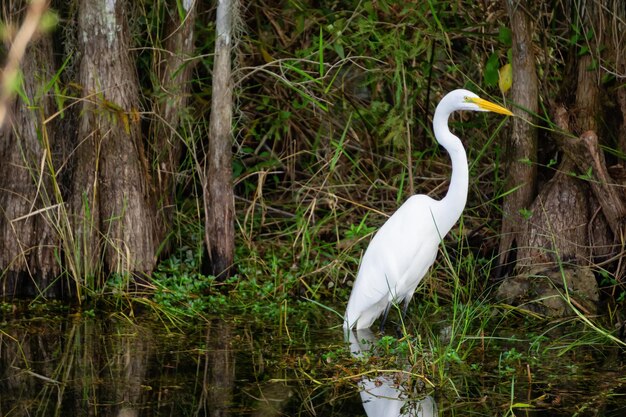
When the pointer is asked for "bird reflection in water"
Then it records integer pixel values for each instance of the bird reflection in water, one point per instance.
(384, 395)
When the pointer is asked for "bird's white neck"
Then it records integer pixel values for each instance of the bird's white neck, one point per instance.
(456, 197)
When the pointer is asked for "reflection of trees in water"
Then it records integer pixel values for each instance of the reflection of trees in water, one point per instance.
(114, 367)
(86, 367)
(131, 358)
(23, 367)
(219, 371)
(271, 399)
(92, 367)
(387, 394)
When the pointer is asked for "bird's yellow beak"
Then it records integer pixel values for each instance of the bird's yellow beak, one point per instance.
(489, 106)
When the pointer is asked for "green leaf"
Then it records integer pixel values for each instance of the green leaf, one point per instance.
(505, 35)
(525, 213)
(49, 21)
(521, 405)
(339, 50)
(491, 71)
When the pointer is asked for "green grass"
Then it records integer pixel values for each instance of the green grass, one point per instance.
(333, 135)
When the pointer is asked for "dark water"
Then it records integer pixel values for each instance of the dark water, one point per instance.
(115, 366)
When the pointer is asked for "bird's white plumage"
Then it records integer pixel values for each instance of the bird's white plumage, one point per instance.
(405, 247)
(385, 394)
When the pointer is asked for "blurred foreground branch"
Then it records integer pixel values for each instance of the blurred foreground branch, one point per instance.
(10, 73)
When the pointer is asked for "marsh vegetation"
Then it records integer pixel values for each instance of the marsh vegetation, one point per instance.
(102, 184)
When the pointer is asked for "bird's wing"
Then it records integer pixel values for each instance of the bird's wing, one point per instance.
(406, 244)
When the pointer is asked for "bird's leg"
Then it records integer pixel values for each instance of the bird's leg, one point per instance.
(384, 319)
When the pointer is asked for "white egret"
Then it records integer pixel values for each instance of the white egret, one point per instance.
(406, 246)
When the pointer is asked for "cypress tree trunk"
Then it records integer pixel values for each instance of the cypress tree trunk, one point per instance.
(27, 206)
(174, 69)
(112, 198)
(100, 217)
(522, 142)
(575, 220)
(218, 189)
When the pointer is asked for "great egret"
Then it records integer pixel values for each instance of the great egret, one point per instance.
(405, 247)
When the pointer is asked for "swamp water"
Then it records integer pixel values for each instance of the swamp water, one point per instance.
(114, 366)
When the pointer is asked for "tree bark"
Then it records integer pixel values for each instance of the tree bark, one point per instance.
(575, 220)
(174, 69)
(616, 50)
(111, 196)
(584, 121)
(27, 204)
(588, 158)
(557, 228)
(218, 190)
(606, 228)
(521, 146)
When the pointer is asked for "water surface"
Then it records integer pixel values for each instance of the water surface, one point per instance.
(116, 366)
